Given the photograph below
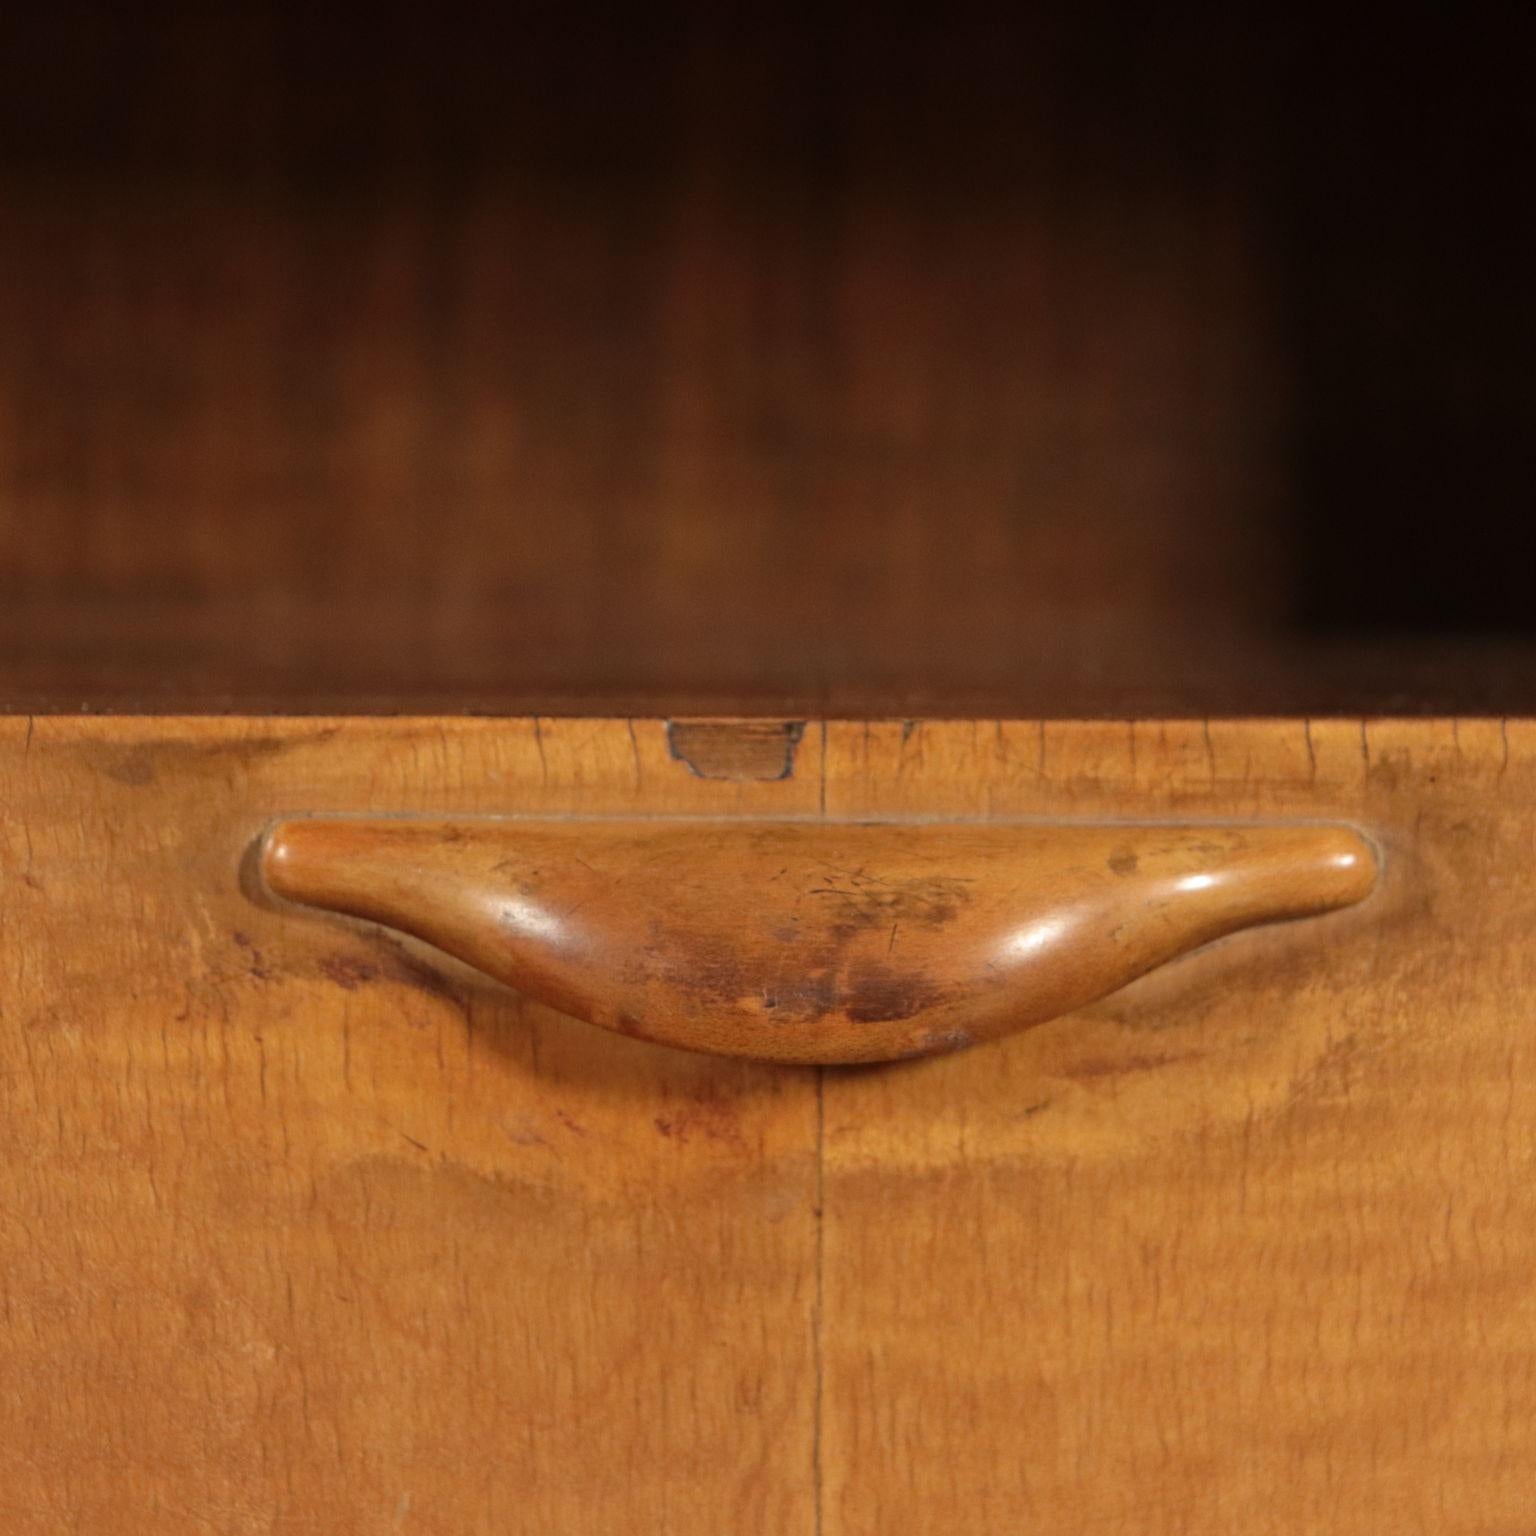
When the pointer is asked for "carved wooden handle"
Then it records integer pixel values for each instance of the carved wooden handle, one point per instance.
(813, 942)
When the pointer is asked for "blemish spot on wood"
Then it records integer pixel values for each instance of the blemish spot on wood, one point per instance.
(937, 1041)
(143, 763)
(348, 972)
(760, 750)
(256, 965)
(878, 994)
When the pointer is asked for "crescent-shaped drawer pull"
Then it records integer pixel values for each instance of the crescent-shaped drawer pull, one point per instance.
(814, 942)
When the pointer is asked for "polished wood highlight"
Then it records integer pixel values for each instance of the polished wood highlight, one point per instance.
(825, 944)
(301, 1230)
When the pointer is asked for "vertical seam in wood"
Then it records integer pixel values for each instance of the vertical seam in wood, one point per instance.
(821, 1216)
(816, 1308)
(816, 1305)
(823, 775)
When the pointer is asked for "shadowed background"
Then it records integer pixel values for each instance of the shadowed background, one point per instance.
(1038, 362)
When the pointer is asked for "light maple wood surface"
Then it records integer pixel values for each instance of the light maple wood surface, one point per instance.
(305, 1228)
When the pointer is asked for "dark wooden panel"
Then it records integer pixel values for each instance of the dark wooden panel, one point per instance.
(665, 362)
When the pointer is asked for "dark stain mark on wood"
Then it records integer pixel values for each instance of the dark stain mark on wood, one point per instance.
(389, 966)
(879, 993)
(855, 900)
(133, 766)
(1121, 1065)
(255, 963)
(706, 1113)
(144, 764)
(402, 967)
(759, 750)
(348, 972)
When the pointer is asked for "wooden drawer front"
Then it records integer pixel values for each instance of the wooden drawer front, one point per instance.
(305, 1228)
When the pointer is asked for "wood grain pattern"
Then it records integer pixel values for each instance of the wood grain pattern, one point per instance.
(1245, 1248)
(300, 1232)
(614, 363)
(297, 1235)
(803, 360)
(829, 944)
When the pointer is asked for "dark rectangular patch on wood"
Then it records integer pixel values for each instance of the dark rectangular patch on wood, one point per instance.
(736, 749)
